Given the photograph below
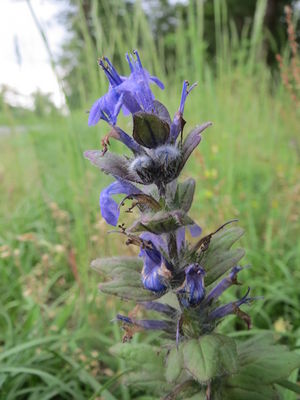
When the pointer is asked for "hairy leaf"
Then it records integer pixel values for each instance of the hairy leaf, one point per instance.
(174, 364)
(257, 392)
(161, 222)
(191, 142)
(128, 291)
(113, 265)
(210, 356)
(217, 264)
(153, 382)
(112, 164)
(184, 194)
(224, 239)
(145, 356)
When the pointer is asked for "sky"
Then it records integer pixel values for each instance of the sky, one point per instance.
(28, 68)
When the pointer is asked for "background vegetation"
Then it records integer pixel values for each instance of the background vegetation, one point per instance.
(55, 328)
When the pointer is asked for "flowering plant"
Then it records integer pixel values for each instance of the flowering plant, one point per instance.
(180, 282)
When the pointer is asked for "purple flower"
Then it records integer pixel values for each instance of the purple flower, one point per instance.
(151, 274)
(230, 308)
(224, 284)
(106, 108)
(109, 208)
(161, 308)
(178, 121)
(138, 84)
(193, 291)
(133, 93)
(156, 269)
(155, 324)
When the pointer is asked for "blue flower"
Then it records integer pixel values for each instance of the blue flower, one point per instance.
(133, 93)
(224, 284)
(151, 277)
(109, 208)
(138, 84)
(155, 324)
(178, 121)
(106, 108)
(230, 308)
(156, 269)
(193, 291)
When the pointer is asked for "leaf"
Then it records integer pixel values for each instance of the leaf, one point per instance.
(161, 111)
(273, 367)
(262, 364)
(292, 386)
(147, 359)
(161, 222)
(174, 364)
(216, 265)
(191, 142)
(126, 278)
(149, 130)
(144, 356)
(131, 291)
(266, 362)
(210, 356)
(224, 239)
(151, 382)
(143, 200)
(112, 266)
(218, 258)
(184, 194)
(198, 396)
(112, 164)
(259, 392)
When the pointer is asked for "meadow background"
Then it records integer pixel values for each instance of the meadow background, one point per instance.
(55, 328)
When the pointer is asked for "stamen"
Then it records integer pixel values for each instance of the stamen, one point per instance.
(135, 52)
(129, 62)
(113, 71)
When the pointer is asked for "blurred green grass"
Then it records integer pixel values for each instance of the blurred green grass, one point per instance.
(55, 329)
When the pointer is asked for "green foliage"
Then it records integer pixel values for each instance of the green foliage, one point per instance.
(251, 369)
(174, 364)
(219, 257)
(161, 222)
(262, 365)
(184, 194)
(125, 274)
(209, 357)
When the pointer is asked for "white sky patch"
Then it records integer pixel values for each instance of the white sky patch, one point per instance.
(25, 64)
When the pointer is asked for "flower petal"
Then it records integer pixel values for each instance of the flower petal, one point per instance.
(224, 284)
(106, 108)
(193, 292)
(230, 308)
(109, 208)
(178, 121)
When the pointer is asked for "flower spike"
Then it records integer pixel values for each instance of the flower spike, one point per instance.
(176, 281)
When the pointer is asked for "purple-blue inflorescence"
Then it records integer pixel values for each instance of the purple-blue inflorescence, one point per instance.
(149, 178)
